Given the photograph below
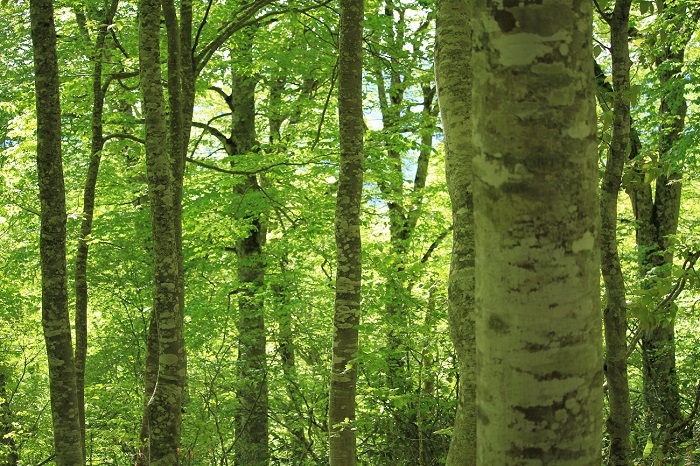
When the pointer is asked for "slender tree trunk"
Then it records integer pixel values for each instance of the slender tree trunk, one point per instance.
(302, 446)
(81, 258)
(54, 295)
(251, 422)
(453, 75)
(341, 411)
(165, 405)
(539, 370)
(615, 312)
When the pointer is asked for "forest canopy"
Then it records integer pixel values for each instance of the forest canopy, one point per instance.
(240, 207)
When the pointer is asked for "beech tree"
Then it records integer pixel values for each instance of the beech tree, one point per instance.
(453, 70)
(348, 244)
(251, 420)
(54, 285)
(615, 310)
(164, 165)
(97, 142)
(538, 333)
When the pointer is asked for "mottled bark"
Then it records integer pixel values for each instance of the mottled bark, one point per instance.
(164, 407)
(537, 314)
(81, 257)
(251, 424)
(615, 311)
(54, 289)
(453, 55)
(341, 410)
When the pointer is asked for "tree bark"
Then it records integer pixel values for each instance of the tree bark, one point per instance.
(81, 257)
(54, 296)
(615, 312)
(537, 316)
(251, 420)
(453, 56)
(341, 410)
(165, 406)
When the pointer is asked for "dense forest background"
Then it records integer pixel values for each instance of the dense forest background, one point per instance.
(258, 201)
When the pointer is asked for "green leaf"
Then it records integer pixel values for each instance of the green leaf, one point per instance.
(648, 448)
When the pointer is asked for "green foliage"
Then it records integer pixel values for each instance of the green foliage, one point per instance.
(294, 60)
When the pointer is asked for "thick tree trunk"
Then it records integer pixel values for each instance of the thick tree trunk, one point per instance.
(165, 405)
(251, 423)
(539, 361)
(453, 58)
(615, 312)
(54, 299)
(341, 410)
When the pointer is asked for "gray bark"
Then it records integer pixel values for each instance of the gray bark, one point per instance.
(65, 412)
(615, 311)
(537, 316)
(251, 420)
(165, 405)
(453, 56)
(341, 411)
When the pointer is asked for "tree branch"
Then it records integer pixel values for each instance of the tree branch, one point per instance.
(130, 137)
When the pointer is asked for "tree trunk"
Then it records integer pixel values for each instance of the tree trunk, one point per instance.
(81, 257)
(657, 222)
(453, 76)
(661, 390)
(54, 300)
(165, 405)
(615, 312)
(341, 410)
(251, 423)
(539, 361)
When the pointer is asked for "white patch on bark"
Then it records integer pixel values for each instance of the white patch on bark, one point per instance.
(580, 130)
(524, 49)
(495, 174)
(584, 243)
